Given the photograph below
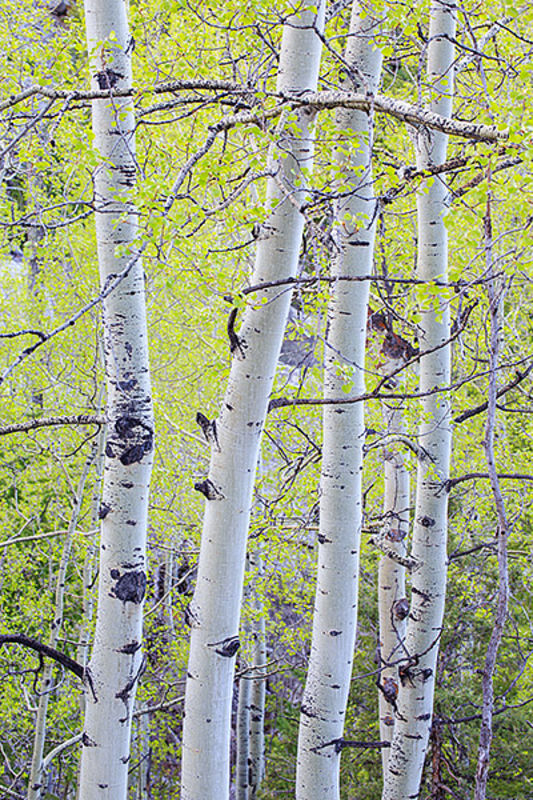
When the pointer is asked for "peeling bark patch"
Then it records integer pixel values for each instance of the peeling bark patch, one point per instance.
(130, 587)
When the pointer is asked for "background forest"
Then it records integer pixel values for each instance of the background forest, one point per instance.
(208, 116)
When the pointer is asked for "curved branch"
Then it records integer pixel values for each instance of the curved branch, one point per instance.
(43, 649)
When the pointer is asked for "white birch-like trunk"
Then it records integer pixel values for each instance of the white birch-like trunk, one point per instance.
(392, 603)
(215, 609)
(242, 770)
(335, 612)
(117, 660)
(415, 701)
(258, 690)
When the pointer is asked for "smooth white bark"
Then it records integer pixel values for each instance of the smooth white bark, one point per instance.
(335, 611)
(258, 689)
(243, 740)
(415, 702)
(392, 602)
(117, 660)
(215, 609)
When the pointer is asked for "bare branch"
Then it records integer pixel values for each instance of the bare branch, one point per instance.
(48, 422)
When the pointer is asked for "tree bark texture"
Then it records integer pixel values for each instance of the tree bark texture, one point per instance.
(392, 602)
(215, 608)
(335, 611)
(117, 662)
(417, 671)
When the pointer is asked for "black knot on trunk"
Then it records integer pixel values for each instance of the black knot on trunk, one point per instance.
(107, 78)
(129, 587)
(227, 647)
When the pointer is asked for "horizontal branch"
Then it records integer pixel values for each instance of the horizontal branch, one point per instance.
(48, 422)
(406, 112)
(103, 94)
(506, 476)
(38, 536)
(288, 282)
(399, 109)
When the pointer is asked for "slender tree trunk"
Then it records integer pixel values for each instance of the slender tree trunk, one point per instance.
(392, 603)
(335, 612)
(258, 690)
(117, 660)
(36, 772)
(417, 673)
(251, 708)
(215, 609)
(485, 734)
(242, 782)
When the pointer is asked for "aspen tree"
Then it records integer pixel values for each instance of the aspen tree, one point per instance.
(335, 612)
(117, 662)
(428, 586)
(392, 602)
(215, 609)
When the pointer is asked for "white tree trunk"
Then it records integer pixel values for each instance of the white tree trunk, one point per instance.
(335, 612)
(392, 603)
(242, 771)
(117, 661)
(258, 689)
(215, 609)
(415, 702)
